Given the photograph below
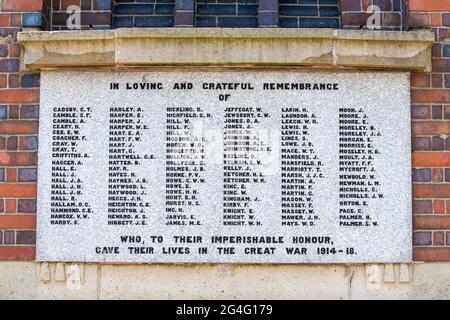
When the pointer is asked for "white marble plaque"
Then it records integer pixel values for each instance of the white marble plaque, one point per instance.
(238, 167)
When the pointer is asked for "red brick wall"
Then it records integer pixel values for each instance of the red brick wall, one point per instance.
(95, 14)
(354, 13)
(431, 127)
(19, 98)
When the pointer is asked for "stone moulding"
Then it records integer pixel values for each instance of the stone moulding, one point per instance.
(322, 48)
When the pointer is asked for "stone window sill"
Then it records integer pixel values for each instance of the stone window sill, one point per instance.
(246, 47)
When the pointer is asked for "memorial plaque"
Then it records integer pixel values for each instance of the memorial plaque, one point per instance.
(233, 166)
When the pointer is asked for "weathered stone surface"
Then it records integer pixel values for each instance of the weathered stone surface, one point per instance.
(325, 48)
(344, 174)
(106, 281)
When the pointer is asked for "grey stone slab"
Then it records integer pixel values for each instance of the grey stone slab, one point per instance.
(317, 162)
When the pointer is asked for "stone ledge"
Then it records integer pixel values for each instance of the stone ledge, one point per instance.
(324, 48)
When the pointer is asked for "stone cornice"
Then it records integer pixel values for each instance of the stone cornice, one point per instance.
(323, 48)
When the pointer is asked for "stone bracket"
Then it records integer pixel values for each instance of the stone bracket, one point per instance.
(246, 47)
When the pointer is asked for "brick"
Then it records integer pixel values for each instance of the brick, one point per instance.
(422, 175)
(447, 174)
(3, 81)
(26, 206)
(9, 237)
(438, 238)
(96, 18)
(437, 144)
(21, 5)
(9, 65)
(4, 20)
(351, 5)
(184, 18)
(385, 5)
(268, 19)
(431, 191)
(18, 127)
(391, 19)
(421, 80)
(86, 5)
(420, 112)
(217, 9)
(123, 21)
(436, 80)
(30, 80)
(431, 127)
(102, 4)
(18, 158)
(419, 20)
(433, 222)
(436, 50)
(16, 20)
(14, 112)
(439, 207)
(2, 174)
(189, 4)
(288, 22)
(431, 254)
(301, 11)
(133, 9)
(271, 5)
(17, 252)
(328, 11)
(447, 80)
(237, 22)
(319, 23)
(205, 21)
(18, 190)
(437, 175)
(164, 9)
(13, 80)
(28, 143)
(448, 237)
(17, 221)
(447, 112)
(26, 237)
(11, 174)
(153, 21)
(14, 50)
(436, 19)
(429, 5)
(436, 112)
(446, 19)
(29, 112)
(441, 65)
(430, 95)
(3, 51)
(422, 238)
(421, 144)
(2, 205)
(431, 159)
(423, 206)
(27, 174)
(3, 111)
(67, 3)
(12, 143)
(20, 96)
(10, 206)
(32, 19)
(247, 10)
